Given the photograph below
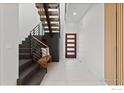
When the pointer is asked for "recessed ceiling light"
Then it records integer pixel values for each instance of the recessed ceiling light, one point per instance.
(74, 13)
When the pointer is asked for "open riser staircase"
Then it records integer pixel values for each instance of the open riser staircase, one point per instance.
(45, 35)
(50, 16)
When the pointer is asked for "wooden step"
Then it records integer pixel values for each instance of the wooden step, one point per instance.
(50, 13)
(53, 13)
(51, 19)
(24, 56)
(29, 71)
(26, 41)
(50, 5)
(23, 64)
(52, 32)
(37, 78)
(53, 29)
(42, 13)
(24, 50)
(53, 5)
(27, 74)
(26, 45)
(52, 24)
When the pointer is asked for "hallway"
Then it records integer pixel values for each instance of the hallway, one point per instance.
(70, 72)
(47, 38)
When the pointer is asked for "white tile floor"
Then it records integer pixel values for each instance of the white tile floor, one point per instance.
(70, 72)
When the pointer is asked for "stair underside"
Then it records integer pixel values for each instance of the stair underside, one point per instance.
(50, 16)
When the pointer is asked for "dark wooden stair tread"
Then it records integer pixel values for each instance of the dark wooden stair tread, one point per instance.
(24, 61)
(24, 64)
(26, 45)
(24, 53)
(37, 77)
(28, 71)
(24, 50)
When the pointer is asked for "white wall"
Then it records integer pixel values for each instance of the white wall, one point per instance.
(0, 43)
(62, 24)
(28, 19)
(8, 44)
(91, 40)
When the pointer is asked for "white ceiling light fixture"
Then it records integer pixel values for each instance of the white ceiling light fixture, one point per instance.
(74, 13)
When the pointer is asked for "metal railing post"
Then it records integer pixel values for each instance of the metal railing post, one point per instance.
(39, 29)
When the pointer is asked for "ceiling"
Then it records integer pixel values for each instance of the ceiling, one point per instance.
(74, 12)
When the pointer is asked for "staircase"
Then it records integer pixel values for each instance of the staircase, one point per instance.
(50, 16)
(30, 72)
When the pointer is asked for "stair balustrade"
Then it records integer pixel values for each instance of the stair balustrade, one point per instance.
(36, 43)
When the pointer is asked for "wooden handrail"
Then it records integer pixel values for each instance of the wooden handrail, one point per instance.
(40, 42)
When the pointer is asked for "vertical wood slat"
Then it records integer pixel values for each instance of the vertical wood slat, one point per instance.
(120, 44)
(123, 42)
(117, 64)
(110, 44)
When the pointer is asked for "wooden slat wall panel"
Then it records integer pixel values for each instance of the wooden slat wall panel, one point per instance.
(114, 44)
(110, 44)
